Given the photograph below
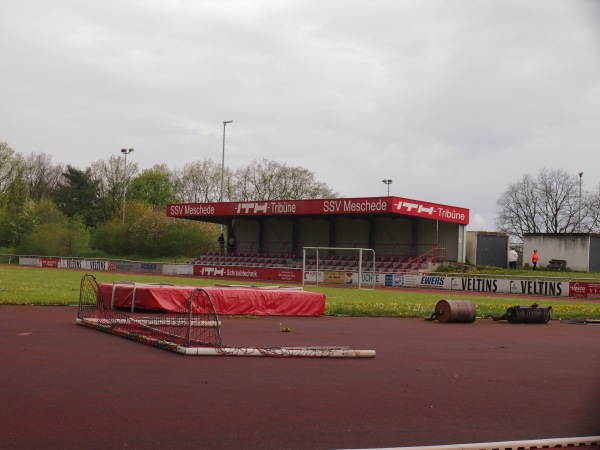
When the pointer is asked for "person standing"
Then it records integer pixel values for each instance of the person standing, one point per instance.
(534, 259)
(512, 258)
(222, 243)
(231, 245)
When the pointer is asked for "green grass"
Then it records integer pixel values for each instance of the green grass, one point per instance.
(48, 286)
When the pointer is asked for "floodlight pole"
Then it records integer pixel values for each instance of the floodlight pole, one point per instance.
(125, 153)
(579, 221)
(388, 182)
(225, 122)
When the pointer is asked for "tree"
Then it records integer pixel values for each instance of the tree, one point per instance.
(200, 182)
(56, 239)
(42, 176)
(590, 216)
(77, 195)
(13, 191)
(154, 187)
(31, 229)
(112, 179)
(150, 232)
(270, 180)
(548, 204)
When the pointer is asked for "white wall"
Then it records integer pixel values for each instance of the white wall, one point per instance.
(572, 248)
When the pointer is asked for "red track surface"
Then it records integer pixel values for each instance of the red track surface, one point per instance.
(70, 387)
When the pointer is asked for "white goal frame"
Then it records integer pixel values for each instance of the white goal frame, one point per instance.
(328, 249)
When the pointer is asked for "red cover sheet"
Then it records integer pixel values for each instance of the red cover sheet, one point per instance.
(227, 300)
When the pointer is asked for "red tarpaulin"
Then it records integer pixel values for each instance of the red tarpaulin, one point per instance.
(227, 300)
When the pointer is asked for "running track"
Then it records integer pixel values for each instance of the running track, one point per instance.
(69, 387)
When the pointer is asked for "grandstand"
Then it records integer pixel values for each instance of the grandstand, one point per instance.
(405, 235)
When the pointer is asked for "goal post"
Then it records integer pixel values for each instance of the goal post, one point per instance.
(327, 259)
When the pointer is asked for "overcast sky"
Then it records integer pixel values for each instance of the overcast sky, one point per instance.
(451, 99)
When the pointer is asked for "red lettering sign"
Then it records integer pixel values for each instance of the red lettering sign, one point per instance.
(50, 262)
(348, 206)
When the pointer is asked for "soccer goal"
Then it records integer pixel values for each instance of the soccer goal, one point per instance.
(193, 328)
(338, 265)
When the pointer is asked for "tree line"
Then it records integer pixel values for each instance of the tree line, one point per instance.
(54, 209)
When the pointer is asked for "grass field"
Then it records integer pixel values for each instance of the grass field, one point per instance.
(48, 286)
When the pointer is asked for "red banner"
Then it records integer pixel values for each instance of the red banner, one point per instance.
(249, 273)
(50, 262)
(584, 290)
(348, 206)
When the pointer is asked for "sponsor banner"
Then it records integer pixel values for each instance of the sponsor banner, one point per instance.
(83, 264)
(540, 287)
(335, 277)
(479, 284)
(376, 279)
(584, 290)
(505, 286)
(411, 281)
(120, 266)
(364, 205)
(369, 205)
(28, 261)
(435, 211)
(312, 276)
(393, 280)
(177, 269)
(151, 268)
(185, 269)
(432, 282)
(50, 262)
(249, 273)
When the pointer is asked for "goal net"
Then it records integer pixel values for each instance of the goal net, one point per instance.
(339, 265)
(193, 322)
(193, 328)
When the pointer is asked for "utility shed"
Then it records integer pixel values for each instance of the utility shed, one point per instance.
(581, 251)
(487, 248)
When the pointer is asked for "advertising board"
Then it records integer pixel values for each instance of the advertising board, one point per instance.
(249, 273)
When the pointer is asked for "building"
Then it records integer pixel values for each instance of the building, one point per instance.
(487, 248)
(581, 251)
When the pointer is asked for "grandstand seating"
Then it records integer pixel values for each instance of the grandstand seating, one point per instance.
(348, 263)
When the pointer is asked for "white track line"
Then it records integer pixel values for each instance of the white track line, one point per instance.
(508, 445)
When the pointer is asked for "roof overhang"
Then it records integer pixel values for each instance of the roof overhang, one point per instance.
(220, 212)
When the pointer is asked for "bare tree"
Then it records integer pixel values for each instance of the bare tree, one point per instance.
(112, 180)
(590, 212)
(199, 182)
(559, 197)
(548, 204)
(270, 180)
(42, 176)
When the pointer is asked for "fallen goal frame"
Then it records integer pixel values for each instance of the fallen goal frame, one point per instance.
(194, 329)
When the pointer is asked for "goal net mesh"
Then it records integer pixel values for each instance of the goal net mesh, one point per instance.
(193, 322)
